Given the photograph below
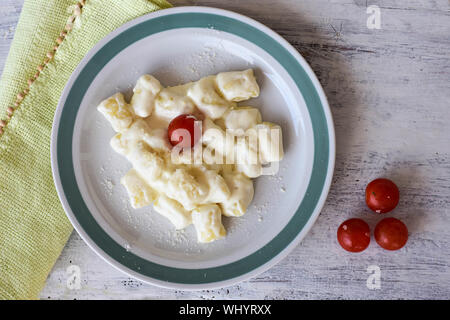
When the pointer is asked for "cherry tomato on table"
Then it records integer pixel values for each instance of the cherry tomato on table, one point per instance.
(382, 195)
(391, 234)
(182, 127)
(354, 235)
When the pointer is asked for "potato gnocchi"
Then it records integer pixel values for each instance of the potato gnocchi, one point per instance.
(235, 146)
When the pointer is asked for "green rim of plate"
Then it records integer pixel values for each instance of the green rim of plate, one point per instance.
(66, 166)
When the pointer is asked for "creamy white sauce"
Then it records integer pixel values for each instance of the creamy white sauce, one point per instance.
(184, 191)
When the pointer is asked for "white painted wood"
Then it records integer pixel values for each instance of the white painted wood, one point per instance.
(389, 91)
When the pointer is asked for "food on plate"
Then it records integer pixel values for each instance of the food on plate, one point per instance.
(176, 131)
(354, 235)
(207, 220)
(192, 148)
(391, 234)
(382, 195)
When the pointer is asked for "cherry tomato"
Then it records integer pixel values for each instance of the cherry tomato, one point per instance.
(391, 234)
(382, 195)
(354, 235)
(183, 127)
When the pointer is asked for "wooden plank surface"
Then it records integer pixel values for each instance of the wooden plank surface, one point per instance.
(389, 91)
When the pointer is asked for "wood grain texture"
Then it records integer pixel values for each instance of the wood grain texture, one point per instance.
(389, 92)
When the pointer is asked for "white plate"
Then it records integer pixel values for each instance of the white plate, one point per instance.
(179, 45)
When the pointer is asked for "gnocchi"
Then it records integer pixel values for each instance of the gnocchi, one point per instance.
(234, 146)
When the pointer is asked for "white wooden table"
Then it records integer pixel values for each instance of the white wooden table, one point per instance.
(389, 91)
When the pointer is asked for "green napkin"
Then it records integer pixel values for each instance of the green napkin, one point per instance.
(51, 38)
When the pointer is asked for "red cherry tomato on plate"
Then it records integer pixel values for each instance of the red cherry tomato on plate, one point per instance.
(391, 234)
(382, 195)
(354, 235)
(181, 131)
